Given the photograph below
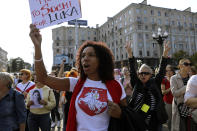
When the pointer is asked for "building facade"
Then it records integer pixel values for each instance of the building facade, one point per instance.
(3, 60)
(65, 42)
(135, 24)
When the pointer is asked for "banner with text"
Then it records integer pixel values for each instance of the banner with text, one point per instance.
(45, 13)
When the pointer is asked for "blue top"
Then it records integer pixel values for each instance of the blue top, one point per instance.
(12, 111)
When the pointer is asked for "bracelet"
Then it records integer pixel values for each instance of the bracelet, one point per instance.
(38, 60)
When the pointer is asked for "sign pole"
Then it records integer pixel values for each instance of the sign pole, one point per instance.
(76, 38)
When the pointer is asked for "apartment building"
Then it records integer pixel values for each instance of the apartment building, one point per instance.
(65, 42)
(3, 60)
(136, 23)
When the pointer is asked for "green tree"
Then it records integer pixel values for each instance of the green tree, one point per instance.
(194, 59)
(179, 55)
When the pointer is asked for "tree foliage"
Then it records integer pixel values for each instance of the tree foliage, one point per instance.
(179, 55)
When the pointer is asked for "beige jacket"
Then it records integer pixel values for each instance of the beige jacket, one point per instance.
(178, 91)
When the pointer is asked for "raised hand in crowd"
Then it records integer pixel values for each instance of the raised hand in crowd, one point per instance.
(166, 48)
(129, 50)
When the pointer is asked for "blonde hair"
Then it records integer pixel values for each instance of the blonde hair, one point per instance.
(181, 61)
(147, 67)
(28, 72)
(6, 78)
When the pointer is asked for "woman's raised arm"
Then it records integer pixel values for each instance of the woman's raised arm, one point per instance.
(41, 73)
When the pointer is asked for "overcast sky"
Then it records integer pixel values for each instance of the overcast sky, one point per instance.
(15, 20)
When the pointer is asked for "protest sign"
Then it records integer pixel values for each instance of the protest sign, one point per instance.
(45, 13)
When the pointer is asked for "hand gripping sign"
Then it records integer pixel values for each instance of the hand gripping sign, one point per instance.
(46, 13)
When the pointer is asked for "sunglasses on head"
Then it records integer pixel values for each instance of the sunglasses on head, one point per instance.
(187, 64)
(144, 73)
(21, 74)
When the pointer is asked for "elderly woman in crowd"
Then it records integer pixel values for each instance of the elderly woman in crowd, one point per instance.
(12, 106)
(147, 99)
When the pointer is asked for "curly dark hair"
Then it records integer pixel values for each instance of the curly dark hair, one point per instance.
(105, 58)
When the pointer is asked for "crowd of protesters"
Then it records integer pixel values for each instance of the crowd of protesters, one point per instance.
(95, 96)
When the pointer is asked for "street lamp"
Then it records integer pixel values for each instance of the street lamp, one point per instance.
(160, 39)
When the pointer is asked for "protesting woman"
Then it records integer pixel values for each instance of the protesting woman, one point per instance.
(178, 84)
(96, 94)
(39, 116)
(147, 99)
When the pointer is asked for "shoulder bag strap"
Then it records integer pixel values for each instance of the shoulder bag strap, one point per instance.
(25, 87)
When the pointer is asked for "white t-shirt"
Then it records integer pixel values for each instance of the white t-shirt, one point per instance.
(91, 105)
(191, 88)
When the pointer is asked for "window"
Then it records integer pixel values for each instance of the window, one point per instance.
(148, 53)
(138, 19)
(129, 11)
(58, 38)
(178, 23)
(137, 11)
(152, 12)
(57, 44)
(145, 19)
(166, 14)
(139, 27)
(159, 13)
(159, 21)
(146, 27)
(180, 46)
(173, 22)
(153, 20)
(125, 31)
(57, 50)
(145, 12)
(140, 36)
(167, 22)
(185, 24)
(147, 36)
(120, 18)
(130, 28)
(140, 53)
(190, 24)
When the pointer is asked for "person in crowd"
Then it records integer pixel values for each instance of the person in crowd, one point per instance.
(147, 99)
(117, 74)
(55, 111)
(167, 94)
(25, 86)
(16, 79)
(178, 84)
(39, 116)
(193, 71)
(96, 94)
(190, 98)
(125, 80)
(12, 105)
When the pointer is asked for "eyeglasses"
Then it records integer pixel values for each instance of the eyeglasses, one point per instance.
(144, 73)
(187, 64)
(21, 74)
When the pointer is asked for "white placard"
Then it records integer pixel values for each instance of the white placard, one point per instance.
(45, 13)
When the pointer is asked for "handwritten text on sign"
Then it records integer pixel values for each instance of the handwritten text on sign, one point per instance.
(45, 13)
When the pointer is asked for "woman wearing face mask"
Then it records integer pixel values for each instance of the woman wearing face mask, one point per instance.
(178, 84)
(147, 99)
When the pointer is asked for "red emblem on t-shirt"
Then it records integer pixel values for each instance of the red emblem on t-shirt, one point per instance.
(93, 101)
